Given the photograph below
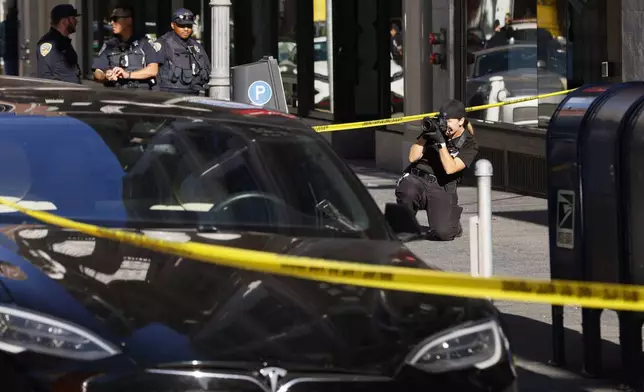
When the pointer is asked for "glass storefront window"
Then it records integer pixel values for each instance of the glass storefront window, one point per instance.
(287, 53)
(396, 64)
(287, 49)
(516, 49)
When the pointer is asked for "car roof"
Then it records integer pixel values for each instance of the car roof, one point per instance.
(525, 21)
(20, 95)
(502, 48)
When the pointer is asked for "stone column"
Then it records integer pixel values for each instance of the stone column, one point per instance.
(220, 49)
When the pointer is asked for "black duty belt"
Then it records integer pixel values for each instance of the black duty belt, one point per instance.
(423, 174)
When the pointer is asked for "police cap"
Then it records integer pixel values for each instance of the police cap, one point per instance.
(122, 12)
(183, 16)
(63, 11)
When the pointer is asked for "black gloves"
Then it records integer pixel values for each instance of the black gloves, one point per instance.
(435, 137)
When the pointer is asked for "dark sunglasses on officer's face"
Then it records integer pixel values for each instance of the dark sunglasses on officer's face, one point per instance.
(116, 18)
(184, 26)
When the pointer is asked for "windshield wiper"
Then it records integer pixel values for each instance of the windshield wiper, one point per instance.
(332, 212)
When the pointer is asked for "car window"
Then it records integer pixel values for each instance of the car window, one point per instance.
(320, 51)
(535, 35)
(506, 60)
(292, 57)
(142, 172)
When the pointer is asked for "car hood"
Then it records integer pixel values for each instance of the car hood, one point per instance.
(165, 309)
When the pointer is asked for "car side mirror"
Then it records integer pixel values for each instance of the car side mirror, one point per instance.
(403, 222)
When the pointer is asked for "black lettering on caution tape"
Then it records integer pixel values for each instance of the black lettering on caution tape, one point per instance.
(337, 272)
(573, 291)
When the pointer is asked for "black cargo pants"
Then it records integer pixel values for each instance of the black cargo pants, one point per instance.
(420, 191)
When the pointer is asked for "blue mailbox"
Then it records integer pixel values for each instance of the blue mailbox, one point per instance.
(602, 249)
(631, 178)
(564, 197)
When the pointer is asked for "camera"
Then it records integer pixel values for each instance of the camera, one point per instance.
(431, 125)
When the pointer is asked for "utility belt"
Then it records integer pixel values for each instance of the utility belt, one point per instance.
(136, 83)
(423, 174)
(432, 178)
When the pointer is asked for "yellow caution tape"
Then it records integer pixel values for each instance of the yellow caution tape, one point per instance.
(592, 295)
(418, 117)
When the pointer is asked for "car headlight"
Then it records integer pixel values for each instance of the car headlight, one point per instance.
(22, 330)
(479, 346)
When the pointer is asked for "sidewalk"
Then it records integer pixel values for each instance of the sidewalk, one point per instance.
(520, 248)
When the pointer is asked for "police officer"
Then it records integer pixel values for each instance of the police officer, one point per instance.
(185, 67)
(445, 147)
(127, 60)
(56, 56)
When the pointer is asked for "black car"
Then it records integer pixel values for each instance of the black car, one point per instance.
(84, 313)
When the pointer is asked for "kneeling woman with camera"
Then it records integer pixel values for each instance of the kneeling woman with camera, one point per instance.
(444, 148)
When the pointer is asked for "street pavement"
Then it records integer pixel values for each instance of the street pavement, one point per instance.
(520, 248)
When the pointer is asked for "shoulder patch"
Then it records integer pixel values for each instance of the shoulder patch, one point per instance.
(100, 52)
(45, 49)
(156, 46)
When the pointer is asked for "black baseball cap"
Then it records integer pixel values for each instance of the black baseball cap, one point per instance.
(63, 11)
(183, 16)
(453, 109)
(121, 12)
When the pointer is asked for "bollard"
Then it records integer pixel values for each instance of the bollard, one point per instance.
(481, 225)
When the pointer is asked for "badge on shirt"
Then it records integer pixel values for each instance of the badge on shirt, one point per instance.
(45, 49)
(156, 46)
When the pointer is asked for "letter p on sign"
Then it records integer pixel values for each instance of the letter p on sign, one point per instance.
(260, 93)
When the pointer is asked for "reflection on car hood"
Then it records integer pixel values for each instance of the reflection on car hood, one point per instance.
(166, 309)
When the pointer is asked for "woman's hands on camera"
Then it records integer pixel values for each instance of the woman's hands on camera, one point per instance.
(432, 132)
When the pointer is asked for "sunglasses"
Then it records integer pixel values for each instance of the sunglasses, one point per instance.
(116, 18)
(184, 26)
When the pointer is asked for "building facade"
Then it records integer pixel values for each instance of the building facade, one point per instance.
(355, 60)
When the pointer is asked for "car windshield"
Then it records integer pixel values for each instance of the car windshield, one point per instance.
(127, 171)
(508, 59)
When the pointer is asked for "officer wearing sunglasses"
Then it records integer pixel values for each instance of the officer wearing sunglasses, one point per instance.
(442, 151)
(127, 60)
(184, 66)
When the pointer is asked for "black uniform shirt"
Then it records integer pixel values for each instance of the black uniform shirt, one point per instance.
(57, 58)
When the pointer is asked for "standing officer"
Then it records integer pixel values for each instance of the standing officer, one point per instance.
(441, 152)
(56, 57)
(127, 60)
(185, 67)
